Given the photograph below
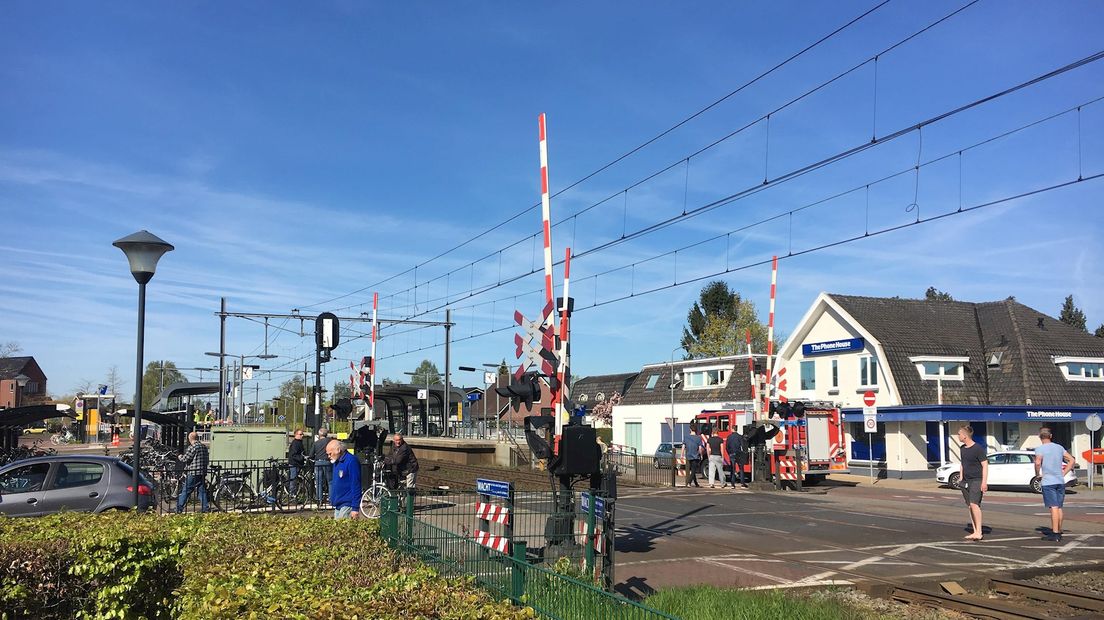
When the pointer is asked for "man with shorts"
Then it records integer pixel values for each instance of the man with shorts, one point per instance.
(974, 476)
(1053, 462)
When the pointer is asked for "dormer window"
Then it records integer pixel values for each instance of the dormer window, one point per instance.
(1081, 368)
(705, 378)
(940, 367)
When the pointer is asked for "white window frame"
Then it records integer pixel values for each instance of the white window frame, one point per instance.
(725, 369)
(1063, 362)
(835, 374)
(920, 360)
(863, 383)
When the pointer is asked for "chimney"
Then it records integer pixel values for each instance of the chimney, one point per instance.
(1041, 323)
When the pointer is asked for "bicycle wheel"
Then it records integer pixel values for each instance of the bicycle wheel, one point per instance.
(370, 501)
(54, 439)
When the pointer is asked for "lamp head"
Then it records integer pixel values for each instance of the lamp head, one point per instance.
(21, 380)
(143, 249)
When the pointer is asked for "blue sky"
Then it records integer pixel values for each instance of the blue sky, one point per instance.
(296, 154)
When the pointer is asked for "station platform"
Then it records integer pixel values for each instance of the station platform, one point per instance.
(462, 451)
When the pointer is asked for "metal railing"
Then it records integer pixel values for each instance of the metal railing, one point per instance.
(528, 567)
(240, 486)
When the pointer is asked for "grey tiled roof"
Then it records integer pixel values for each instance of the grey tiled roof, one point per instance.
(911, 327)
(10, 367)
(737, 388)
(585, 391)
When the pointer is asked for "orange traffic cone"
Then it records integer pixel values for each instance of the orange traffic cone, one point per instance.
(115, 440)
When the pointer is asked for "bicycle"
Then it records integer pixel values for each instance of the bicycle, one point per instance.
(383, 481)
(64, 437)
(231, 489)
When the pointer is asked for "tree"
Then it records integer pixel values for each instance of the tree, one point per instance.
(426, 370)
(716, 324)
(1099, 333)
(341, 389)
(157, 376)
(934, 294)
(8, 349)
(114, 381)
(1072, 315)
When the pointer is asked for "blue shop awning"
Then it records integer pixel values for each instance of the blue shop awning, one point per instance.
(976, 413)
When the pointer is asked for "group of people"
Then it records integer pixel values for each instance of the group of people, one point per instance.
(336, 472)
(710, 449)
(1052, 463)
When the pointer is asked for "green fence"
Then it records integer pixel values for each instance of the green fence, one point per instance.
(550, 593)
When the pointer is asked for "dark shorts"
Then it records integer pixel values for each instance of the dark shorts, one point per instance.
(971, 491)
(1054, 495)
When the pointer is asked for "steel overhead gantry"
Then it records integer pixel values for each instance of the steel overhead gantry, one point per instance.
(223, 314)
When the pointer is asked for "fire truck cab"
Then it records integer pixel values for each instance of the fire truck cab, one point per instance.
(816, 428)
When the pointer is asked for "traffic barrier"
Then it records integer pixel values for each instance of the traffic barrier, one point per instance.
(493, 512)
(492, 541)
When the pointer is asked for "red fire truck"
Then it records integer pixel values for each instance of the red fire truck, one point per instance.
(818, 430)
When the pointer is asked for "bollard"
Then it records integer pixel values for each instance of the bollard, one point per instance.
(519, 566)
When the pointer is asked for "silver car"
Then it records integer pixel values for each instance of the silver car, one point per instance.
(49, 484)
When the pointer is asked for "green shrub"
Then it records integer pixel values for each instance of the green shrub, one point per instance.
(220, 566)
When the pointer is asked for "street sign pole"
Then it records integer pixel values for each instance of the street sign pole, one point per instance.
(870, 425)
(1093, 424)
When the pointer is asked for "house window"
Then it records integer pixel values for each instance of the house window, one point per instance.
(835, 373)
(32, 388)
(1081, 368)
(940, 368)
(705, 378)
(652, 380)
(808, 375)
(868, 371)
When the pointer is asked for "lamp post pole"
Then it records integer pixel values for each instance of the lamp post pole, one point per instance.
(142, 250)
(671, 388)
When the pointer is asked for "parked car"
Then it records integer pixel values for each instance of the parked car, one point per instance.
(49, 484)
(1013, 468)
(663, 454)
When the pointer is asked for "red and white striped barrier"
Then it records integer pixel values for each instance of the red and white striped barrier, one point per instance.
(598, 539)
(493, 513)
(492, 541)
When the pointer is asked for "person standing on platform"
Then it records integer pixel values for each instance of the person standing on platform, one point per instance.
(323, 469)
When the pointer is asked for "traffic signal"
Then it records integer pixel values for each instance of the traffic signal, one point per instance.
(780, 409)
(526, 390)
(798, 409)
(342, 408)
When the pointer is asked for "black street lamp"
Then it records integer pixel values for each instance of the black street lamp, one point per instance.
(143, 249)
(21, 380)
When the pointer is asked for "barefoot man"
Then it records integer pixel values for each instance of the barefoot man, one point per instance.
(974, 473)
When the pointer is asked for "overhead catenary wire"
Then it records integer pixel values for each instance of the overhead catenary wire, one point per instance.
(823, 39)
(624, 191)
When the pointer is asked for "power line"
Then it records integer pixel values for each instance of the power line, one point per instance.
(624, 156)
(685, 160)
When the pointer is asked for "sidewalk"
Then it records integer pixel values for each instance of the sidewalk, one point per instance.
(929, 485)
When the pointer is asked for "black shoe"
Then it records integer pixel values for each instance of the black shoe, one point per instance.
(1053, 538)
(743, 486)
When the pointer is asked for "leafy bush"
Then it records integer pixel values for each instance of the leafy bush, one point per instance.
(220, 566)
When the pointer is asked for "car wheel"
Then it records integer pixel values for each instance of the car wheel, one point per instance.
(1037, 485)
(655, 463)
(954, 480)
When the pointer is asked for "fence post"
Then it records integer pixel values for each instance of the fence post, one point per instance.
(519, 565)
(389, 519)
(590, 537)
(409, 517)
(636, 467)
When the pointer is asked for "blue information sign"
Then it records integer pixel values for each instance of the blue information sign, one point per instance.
(833, 346)
(474, 396)
(497, 488)
(599, 505)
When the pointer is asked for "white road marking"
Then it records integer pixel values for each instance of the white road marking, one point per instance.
(828, 582)
(746, 571)
(756, 527)
(1046, 559)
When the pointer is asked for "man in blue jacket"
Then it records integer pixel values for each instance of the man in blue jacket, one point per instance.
(345, 485)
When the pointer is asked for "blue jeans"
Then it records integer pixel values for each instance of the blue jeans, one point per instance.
(322, 474)
(737, 470)
(192, 482)
(293, 475)
(345, 512)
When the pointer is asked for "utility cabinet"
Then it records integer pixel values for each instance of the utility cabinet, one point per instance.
(248, 443)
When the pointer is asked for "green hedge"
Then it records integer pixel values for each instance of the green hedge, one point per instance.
(220, 566)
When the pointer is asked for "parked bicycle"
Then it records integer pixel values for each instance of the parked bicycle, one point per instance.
(66, 436)
(230, 490)
(383, 480)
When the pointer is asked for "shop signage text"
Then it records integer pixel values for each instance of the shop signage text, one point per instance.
(833, 346)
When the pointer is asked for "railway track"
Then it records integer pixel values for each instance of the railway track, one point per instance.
(1082, 604)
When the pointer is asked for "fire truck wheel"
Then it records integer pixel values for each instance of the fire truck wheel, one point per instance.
(812, 481)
